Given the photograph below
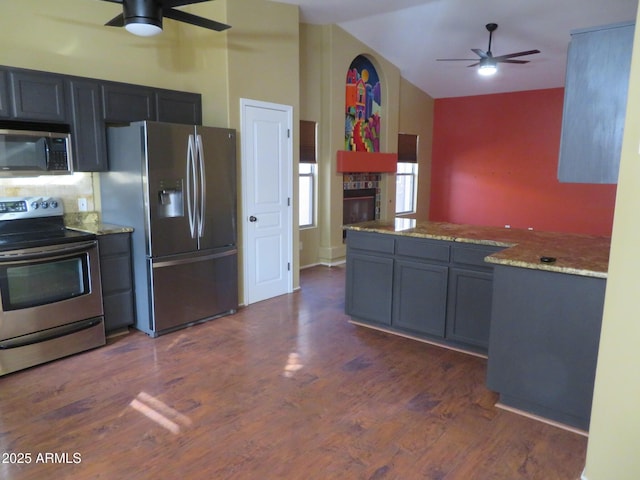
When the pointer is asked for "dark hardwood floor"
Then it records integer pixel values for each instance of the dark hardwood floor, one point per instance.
(284, 389)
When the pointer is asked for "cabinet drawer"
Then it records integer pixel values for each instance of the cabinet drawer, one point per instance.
(114, 244)
(473, 255)
(373, 242)
(425, 249)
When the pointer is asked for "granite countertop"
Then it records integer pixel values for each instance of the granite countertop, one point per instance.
(576, 254)
(90, 222)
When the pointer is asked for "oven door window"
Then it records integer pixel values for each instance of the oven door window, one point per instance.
(31, 284)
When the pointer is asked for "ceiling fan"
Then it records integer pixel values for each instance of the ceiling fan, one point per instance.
(488, 63)
(144, 17)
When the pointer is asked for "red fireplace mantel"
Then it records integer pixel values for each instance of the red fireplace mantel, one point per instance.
(367, 162)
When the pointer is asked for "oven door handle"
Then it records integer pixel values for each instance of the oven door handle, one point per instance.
(50, 334)
(28, 254)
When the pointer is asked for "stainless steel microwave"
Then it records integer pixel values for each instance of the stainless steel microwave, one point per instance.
(31, 149)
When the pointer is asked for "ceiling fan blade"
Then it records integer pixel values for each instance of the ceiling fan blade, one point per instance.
(181, 16)
(116, 21)
(113, 1)
(513, 61)
(456, 59)
(518, 54)
(473, 64)
(179, 3)
(480, 53)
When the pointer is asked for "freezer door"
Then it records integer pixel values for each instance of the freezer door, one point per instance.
(192, 289)
(217, 149)
(171, 188)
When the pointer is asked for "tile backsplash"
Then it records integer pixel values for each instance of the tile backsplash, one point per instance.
(67, 187)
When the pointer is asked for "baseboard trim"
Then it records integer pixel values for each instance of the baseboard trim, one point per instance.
(418, 339)
(543, 420)
(324, 264)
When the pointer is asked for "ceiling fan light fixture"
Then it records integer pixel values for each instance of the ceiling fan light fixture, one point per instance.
(143, 29)
(488, 66)
(142, 17)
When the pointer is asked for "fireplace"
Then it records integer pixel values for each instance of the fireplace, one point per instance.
(359, 205)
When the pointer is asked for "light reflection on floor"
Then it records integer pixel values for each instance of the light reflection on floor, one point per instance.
(293, 365)
(160, 412)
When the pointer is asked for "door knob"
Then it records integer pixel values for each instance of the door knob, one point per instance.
(253, 219)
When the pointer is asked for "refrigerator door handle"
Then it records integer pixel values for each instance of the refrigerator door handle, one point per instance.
(190, 177)
(203, 191)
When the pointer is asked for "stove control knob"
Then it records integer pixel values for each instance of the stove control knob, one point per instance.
(35, 205)
(45, 204)
(53, 204)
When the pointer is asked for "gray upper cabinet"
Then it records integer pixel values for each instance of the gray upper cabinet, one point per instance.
(87, 126)
(88, 105)
(597, 80)
(38, 96)
(179, 107)
(124, 103)
(5, 111)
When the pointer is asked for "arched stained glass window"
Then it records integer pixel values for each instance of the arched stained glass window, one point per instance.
(363, 106)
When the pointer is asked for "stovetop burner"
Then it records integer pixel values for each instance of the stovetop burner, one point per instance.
(27, 222)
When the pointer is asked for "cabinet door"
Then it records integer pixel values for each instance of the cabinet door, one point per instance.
(369, 287)
(124, 103)
(38, 96)
(597, 80)
(545, 333)
(179, 107)
(117, 281)
(420, 295)
(469, 307)
(88, 128)
(5, 110)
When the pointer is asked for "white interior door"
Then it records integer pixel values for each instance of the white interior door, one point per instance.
(267, 185)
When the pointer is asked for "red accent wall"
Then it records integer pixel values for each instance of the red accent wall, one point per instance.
(495, 160)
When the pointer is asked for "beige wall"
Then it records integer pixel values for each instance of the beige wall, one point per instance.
(322, 100)
(416, 117)
(311, 74)
(264, 65)
(68, 36)
(614, 438)
(257, 58)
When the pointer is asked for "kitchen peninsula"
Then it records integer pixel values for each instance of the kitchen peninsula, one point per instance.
(531, 300)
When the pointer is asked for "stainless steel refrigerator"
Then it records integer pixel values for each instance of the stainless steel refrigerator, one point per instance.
(176, 186)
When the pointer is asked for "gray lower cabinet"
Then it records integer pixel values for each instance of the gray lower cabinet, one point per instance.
(117, 282)
(87, 126)
(38, 96)
(595, 102)
(431, 289)
(470, 295)
(420, 297)
(469, 307)
(545, 333)
(5, 111)
(369, 288)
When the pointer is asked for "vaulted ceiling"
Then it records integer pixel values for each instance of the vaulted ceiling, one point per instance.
(412, 34)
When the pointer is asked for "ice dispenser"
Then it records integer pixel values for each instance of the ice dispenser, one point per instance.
(170, 199)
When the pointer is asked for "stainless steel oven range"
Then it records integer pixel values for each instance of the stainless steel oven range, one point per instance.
(50, 294)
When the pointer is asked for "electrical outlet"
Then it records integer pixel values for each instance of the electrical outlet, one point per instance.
(82, 204)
